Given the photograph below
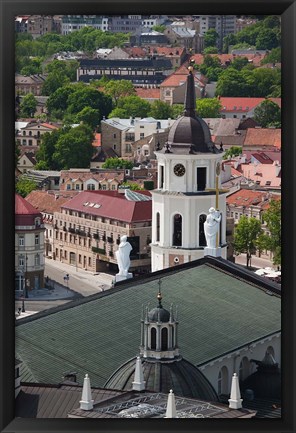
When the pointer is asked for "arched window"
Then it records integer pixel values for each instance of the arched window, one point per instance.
(223, 379)
(173, 337)
(244, 369)
(153, 338)
(157, 227)
(164, 339)
(177, 230)
(202, 237)
(37, 260)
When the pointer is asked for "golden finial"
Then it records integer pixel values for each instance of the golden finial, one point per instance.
(159, 295)
(190, 69)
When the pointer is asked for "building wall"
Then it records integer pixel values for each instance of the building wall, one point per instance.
(91, 247)
(111, 138)
(30, 272)
(232, 361)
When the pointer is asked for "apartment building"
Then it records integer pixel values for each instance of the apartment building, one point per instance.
(88, 229)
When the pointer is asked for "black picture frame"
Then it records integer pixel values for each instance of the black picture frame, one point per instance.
(10, 8)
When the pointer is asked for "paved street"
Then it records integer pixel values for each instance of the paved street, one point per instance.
(257, 262)
(84, 282)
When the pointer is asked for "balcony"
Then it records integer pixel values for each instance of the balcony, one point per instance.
(98, 250)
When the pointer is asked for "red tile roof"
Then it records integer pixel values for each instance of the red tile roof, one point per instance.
(113, 205)
(177, 79)
(263, 137)
(49, 202)
(255, 59)
(49, 125)
(25, 213)
(247, 197)
(239, 104)
(148, 93)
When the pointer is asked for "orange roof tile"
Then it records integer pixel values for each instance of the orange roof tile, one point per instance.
(247, 197)
(148, 93)
(263, 137)
(239, 104)
(177, 79)
(254, 58)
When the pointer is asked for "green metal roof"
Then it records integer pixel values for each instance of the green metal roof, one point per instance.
(217, 311)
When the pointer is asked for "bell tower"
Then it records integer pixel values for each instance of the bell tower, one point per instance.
(188, 186)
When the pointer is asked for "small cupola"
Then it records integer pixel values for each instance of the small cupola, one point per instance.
(159, 332)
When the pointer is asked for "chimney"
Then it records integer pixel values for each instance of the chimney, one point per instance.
(139, 382)
(235, 401)
(86, 402)
(171, 406)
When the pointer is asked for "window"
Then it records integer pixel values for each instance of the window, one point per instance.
(68, 186)
(114, 135)
(91, 186)
(157, 227)
(164, 339)
(201, 177)
(77, 186)
(36, 239)
(177, 230)
(223, 381)
(161, 176)
(21, 241)
(142, 135)
(37, 260)
(21, 260)
(202, 237)
(153, 338)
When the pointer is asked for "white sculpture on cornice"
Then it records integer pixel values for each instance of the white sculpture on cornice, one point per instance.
(123, 258)
(211, 227)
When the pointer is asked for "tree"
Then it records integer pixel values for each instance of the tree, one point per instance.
(117, 163)
(44, 156)
(74, 148)
(24, 186)
(178, 110)
(159, 28)
(59, 99)
(232, 83)
(273, 57)
(267, 39)
(32, 67)
(272, 218)
(267, 114)
(118, 89)
(161, 110)
(210, 38)
(239, 63)
(132, 186)
(86, 96)
(54, 81)
(28, 105)
(208, 107)
(232, 151)
(211, 50)
(246, 235)
(90, 116)
(132, 106)
(68, 68)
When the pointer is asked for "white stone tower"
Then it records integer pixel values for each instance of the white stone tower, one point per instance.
(188, 186)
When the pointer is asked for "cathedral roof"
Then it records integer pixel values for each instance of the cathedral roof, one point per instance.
(180, 375)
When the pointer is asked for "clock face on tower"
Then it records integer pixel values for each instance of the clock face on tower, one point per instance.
(179, 170)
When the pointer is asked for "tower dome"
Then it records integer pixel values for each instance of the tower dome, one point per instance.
(190, 131)
(163, 366)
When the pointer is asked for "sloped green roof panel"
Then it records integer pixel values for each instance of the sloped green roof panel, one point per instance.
(217, 312)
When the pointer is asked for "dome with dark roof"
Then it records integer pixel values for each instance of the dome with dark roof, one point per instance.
(190, 132)
(158, 314)
(161, 376)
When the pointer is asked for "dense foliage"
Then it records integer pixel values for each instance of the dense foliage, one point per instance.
(246, 236)
(66, 148)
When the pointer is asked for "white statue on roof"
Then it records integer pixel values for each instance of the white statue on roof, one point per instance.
(123, 259)
(211, 227)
